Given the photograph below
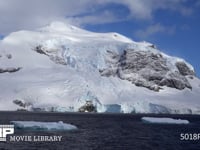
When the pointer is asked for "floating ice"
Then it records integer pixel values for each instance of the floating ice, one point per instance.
(164, 120)
(43, 125)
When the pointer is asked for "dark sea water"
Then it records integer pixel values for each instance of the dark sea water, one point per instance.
(105, 132)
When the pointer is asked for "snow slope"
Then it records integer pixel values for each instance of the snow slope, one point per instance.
(59, 70)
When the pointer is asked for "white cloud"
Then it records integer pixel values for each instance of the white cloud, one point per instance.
(29, 14)
(154, 29)
(100, 18)
(144, 9)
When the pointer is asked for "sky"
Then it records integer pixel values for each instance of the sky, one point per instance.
(172, 25)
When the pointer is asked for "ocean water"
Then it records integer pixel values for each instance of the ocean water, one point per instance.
(105, 132)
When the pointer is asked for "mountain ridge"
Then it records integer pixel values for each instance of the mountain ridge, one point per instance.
(60, 63)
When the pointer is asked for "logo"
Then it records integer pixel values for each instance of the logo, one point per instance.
(5, 130)
(9, 129)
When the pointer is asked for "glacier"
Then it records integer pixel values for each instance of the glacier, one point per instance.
(59, 67)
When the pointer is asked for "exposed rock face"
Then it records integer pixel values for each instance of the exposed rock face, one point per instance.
(142, 68)
(58, 60)
(40, 50)
(88, 107)
(184, 69)
(22, 104)
(147, 69)
(52, 54)
(10, 70)
(9, 56)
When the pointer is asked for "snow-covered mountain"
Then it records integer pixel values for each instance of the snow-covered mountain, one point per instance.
(59, 67)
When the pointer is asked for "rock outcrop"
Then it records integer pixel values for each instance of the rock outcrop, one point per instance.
(52, 54)
(147, 69)
(10, 69)
(184, 69)
(88, 107)
(22, 104)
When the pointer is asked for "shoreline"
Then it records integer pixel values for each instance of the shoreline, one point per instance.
(97, 114)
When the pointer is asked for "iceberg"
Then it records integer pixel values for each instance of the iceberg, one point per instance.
(43, 125)
(164, 120)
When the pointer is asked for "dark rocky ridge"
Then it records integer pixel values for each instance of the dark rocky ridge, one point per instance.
(88, 107)
(52, 55)
(147, 69)
(184, 69)
(9, 70)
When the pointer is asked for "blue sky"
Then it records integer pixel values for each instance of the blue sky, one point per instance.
(172, 25)
(172, 32)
